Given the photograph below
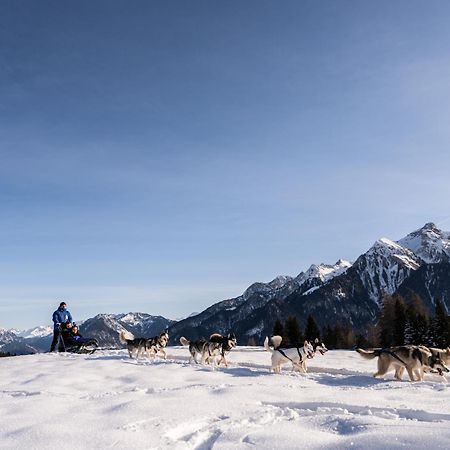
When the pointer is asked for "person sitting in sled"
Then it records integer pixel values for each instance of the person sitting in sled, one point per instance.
(75, 335)
(72, 337)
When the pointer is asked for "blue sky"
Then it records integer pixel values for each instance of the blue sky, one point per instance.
(162, 156)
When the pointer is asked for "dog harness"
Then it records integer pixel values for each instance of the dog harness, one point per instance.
(290, 359)
(390, 352)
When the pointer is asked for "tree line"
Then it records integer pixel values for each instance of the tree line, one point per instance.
(334, 336)
(402, 320)
(405, 320)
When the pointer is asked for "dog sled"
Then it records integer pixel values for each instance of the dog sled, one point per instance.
(76, 344)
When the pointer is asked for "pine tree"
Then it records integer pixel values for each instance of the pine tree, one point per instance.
(312, 330)
(440, 327)
(398, 333)
(278, 329)
(339, 333)
(345, 337)
(416, 327)
(372, 336)
(293, 332)
(386, 322)
(329, 337)
(362, 341)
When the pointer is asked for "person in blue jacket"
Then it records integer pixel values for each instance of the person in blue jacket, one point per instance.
(60, 316)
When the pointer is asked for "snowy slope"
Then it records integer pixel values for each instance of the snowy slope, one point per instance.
(384, 267)
(325, 272)
(7, 336)
(109, 401)
(36, 332)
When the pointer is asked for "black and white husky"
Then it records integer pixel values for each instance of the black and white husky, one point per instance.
(296, 355)
(227, 343)
(149, 346)
(217, 345)
(319, 347)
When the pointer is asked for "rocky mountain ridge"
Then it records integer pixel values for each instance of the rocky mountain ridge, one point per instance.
(344, 292)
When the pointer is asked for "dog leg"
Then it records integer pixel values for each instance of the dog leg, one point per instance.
(399, 373)
(411, 374)
(420, 374)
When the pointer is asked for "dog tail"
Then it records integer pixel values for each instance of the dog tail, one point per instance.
(125, 336)
(369, 354)
(184, 341)
(216, 337)
(276, 341)
(266, 345)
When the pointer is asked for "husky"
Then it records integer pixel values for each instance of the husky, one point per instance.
(295, 355)
(415, 359)
(158, 344)
(436, 355)
(227, 343)
(319, 347)
(444, 354)
(207, 350)
(140, 346)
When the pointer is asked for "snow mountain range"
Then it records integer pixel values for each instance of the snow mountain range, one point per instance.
(103, 327)
(344, 292)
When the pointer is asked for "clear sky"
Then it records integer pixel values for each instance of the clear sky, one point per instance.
(160, 156)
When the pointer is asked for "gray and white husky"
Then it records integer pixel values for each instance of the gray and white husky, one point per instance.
(207, 350)
(149, 346)
(295, 355)
(415, 359)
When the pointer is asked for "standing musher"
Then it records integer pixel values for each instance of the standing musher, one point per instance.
(60, 316)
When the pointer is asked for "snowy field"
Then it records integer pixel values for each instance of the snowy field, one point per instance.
(106, 400)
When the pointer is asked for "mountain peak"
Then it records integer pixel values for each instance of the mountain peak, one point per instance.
(430, 226)
(429, 243)
(326, 271)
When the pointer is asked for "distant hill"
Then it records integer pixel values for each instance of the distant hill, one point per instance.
(103, 327)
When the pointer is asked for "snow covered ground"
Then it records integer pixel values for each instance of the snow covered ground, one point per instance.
(106, 400)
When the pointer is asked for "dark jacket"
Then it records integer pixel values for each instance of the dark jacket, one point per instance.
(61, 316)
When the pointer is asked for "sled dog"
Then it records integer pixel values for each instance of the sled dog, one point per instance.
(319, 347)
(415, 359)
(158, 344)
(295, 355)
(139, 346)
(437, 353)
(227, 343)
(207, 350)
(444, 354)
